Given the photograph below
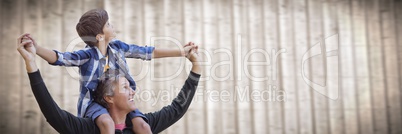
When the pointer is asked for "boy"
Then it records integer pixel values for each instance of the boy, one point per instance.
(101, 53)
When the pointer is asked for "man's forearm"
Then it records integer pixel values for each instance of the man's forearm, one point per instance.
(196, 68)
(160, 53)
(31, 66)
(47, 54)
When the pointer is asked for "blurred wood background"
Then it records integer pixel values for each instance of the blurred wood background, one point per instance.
(253, 79)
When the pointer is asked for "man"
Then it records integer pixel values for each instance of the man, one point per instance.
(64, 122)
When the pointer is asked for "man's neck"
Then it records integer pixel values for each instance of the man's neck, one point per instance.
(118, 117)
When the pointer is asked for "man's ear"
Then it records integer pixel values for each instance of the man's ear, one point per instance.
(100, 37)
(108, 99)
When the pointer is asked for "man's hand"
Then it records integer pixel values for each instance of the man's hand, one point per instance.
(27, 50)
(187, 48)
(195, 60)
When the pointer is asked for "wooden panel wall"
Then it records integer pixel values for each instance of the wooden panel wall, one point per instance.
(255, 79)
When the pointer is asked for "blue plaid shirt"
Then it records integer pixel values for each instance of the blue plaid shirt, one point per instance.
(91, 63)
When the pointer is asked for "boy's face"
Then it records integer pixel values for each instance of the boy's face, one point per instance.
(108, 31)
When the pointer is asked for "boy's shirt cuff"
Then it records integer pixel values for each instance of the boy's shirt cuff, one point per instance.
(59, 58)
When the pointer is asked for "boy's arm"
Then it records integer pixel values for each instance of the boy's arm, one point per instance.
(161, 53)
(149, 52)
(46, 54)
(62, 59)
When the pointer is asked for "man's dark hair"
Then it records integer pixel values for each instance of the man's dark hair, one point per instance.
(106, 86)
(91, 24)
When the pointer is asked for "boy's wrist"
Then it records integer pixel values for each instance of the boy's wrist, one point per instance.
(38, 49)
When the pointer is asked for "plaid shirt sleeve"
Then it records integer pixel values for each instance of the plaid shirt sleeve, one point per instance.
(76, 58)
(135, 51)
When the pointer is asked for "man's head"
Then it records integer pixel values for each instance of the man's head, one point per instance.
(94, 26)
(114, 91)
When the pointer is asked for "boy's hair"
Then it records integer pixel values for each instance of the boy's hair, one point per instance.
(91, 24)
(106, 86)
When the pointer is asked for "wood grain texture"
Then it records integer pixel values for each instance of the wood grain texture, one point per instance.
(12, 65)
(51, 38)
(31, 114)
(249, 47)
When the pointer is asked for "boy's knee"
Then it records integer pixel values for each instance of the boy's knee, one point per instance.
(140, 126)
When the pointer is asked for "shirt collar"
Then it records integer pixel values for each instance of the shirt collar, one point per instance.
(99, 53)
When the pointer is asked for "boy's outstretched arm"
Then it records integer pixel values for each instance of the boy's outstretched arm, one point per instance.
(54, 57)
(47, 54)
(161, 53)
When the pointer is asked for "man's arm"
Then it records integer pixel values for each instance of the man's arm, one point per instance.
(160, 120)
(168, 115)
(62, 121)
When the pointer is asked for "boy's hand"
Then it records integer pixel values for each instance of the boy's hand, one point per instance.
(188, 48)
(27, 51)
(33, 41)
(25, 48)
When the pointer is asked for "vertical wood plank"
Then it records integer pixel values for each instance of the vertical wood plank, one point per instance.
(362, 95)
(300, 21)
(238, 28)
(272, 44)
(70, 81)
(391, 67)
(287, 64)
(51, 39)
(31, 113)
(12, 17)
(11, 28)
(320, 101)
(363, 90)
(92, 4)
(332, 71)
(134, 36)
(376, 67)
(255, 63)
(210, 41)
(148, 24)
(196, 114)
(172, 24)
(221, 71)
(398, 27)
(2, 81)
(116, 16)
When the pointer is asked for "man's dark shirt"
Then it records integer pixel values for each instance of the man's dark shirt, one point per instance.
(65, 122)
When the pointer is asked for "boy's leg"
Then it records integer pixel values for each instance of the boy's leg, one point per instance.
(105, 124)
(101, 117)
(139, 125)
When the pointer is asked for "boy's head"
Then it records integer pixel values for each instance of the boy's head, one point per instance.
(91, 26)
